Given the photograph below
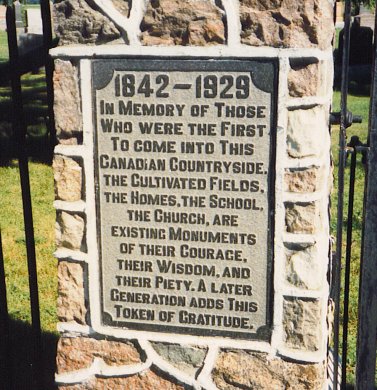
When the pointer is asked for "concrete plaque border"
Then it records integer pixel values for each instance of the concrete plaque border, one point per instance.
(265, 78)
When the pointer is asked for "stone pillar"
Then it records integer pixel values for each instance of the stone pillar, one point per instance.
(295, 37)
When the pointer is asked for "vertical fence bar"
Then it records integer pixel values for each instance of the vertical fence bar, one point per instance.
(366, 338)
(49, 67)
(5, 361)
(20, 135)
(341, 166)
(347, 271)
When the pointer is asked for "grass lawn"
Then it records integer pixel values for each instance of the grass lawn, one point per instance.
(4, 55)
(11, 220)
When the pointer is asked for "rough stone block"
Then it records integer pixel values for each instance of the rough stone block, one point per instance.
(147, 380)
(76, 353)
(71, 293)
(70, 231)
(174, 22)
(242, 370)
(302, 217)
(78, 23)
(303, 79)
(303, 180)
(288, 23)
(187, 359)
(304, 268)
(123, 6)
(68, 122)
(302, 323)
(68, 178)
(308, 132)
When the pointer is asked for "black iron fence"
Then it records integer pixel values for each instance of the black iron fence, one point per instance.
(17, 66)
(367, 304)
(367, 328)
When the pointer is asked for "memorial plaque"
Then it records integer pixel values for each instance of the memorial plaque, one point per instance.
(184, 165)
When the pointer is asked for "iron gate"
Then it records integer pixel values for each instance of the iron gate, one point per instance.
(16, 68)
(367, 308)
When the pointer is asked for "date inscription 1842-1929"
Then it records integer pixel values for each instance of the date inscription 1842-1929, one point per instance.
(184, 168)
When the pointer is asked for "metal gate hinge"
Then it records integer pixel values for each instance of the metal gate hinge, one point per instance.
(350, 118)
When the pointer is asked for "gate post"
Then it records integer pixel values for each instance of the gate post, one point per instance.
(192, 184)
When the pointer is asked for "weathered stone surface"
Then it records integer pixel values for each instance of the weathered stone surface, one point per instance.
(287, 23)
(303, 179)
(70, 231)
(75, 353)
(68, 122)
(76, 22)
(241, 370)
(302, 323)
(68, 178)
(69, 141)
(302, 217)
(176, 22)
(71, 297)
(307, 132)
(187, 359)
(303, 79)
(304, 268)
(147, 380)
(123, 6)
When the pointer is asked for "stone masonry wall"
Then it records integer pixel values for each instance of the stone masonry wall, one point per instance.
(296, 32)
